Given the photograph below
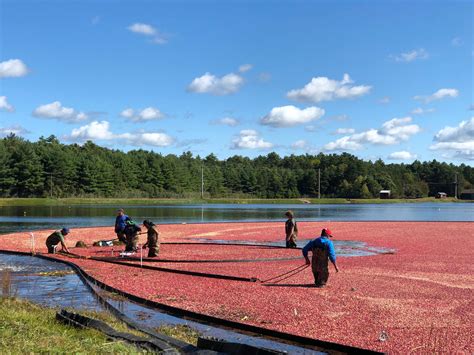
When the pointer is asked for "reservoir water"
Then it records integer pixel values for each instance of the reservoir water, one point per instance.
(17, 218)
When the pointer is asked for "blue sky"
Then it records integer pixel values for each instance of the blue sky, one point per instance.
(378, 79)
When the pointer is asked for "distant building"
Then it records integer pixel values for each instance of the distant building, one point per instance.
(441, 195)
(384, 194)
(467, 195)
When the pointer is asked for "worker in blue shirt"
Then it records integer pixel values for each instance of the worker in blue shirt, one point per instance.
(120, 224)
(322, 249)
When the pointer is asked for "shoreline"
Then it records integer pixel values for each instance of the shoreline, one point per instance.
(21, 202)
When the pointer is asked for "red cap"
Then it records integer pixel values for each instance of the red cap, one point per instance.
(328, 232)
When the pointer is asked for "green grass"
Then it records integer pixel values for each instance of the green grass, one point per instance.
(186, 201)
(28, 328)
(180, 332)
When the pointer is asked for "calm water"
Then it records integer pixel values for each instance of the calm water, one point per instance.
(33, 218)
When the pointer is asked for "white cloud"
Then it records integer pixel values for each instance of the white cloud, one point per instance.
(208, 83)
(457, 42)
(412, 55)
(300, 144)
(142, 28)
(5, 105)
(458, 141)
(325, 89)
(101, 131)
(438, 95)
(250, 139)
(401, 155)
(287, 116)
(13, 68)
(56, 110)
(227, 121)
(16, 130)
(147, 114)
(154, 139)
(392, 132)
(92, 131)
(464, 132)
(422, 111)
(149, 31)
(344, 131)
(245, 68)
(384, 100)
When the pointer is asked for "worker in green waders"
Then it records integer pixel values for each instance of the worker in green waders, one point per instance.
(291, 230)
(131, 235)
(153, 235)
(57, 238)
(323, 250)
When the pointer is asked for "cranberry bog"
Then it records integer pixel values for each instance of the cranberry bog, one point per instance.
(413, 295)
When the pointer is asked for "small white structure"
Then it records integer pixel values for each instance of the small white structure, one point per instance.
(385, 194)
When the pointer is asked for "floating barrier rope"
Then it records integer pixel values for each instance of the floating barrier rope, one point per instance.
(320, 345)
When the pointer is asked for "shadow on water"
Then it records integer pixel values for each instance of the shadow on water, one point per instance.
(69, 291)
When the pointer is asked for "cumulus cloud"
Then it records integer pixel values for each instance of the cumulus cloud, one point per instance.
(287, 116)
(16, 130)
(392, 132)
(412, 55)
(345, 131)
(422, 111)
(149, 31)
(250, 139)
(5, 105)
(227, 121)
(245, 68)
(211, 84)
(13, 68)
(101, 131)
(401, 155)
(457, 142)
(147, 114)
(438, 95)
(56, 110)
(325, 89)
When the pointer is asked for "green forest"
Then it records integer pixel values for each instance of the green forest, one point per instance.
(48, 168)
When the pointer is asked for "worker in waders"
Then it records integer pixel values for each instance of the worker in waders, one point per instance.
(291, 230)
(323, 250)
(131, 235)
(153, 235)
(57, 238)
(120, 223)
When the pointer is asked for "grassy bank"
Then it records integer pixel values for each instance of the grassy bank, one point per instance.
(28, 328)
(185, 201)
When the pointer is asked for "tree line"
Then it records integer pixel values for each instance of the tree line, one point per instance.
(50, 168)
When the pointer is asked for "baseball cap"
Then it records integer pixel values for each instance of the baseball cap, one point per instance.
(65, 230)
(328, 232)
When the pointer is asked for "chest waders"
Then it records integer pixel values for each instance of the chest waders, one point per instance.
(153, 245)
(319, 266)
